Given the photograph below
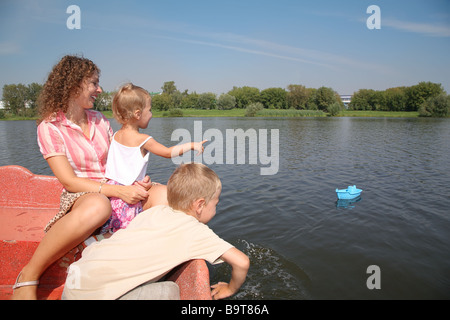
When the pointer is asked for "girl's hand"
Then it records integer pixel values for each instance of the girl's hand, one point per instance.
(199, 147)
(146, 183)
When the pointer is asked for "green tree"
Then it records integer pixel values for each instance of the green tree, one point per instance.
(34, 89)
(311, 102)
(177, 98)
(297, 96)
(162, 102)
(226, 102)
(244, 96)
(361, 99)
(169, 87)
(274, 98)
(335, 109)
(207, 101)
(253, 108)
(324, 98)
(418, 94)
(437, 106)
(395, 99)
(190, 100)
(16, 97)
(378, 101)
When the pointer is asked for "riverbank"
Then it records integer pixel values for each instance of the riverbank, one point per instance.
(280, 113)
(269, 113)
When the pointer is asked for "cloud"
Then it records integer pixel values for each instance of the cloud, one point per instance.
(188, 33)
(253, 50)
(8, 48)
(421, 28)
(241, 43)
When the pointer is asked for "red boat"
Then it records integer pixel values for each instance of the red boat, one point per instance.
(27, 203)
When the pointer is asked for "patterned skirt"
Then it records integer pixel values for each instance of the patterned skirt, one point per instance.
(122, 213)
(67, 200)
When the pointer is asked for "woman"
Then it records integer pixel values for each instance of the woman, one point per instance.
(75, 140)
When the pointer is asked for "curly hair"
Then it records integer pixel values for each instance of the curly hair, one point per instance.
(63, 83)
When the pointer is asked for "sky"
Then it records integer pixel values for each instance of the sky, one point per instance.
(212, 46)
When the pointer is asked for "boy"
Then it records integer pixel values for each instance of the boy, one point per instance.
(158, 240)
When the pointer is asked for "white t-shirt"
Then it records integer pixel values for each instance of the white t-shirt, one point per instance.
(155, 242)
(126, 164)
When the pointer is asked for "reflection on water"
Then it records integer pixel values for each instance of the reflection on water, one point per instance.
(300, 244)
(347, 203)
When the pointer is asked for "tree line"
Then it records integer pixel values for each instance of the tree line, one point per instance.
(20, 100)
(428, 98)
(295, 97)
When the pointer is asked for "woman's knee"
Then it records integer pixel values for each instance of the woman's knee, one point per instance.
(93, 208)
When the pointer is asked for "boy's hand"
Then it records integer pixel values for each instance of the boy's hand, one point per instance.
(240, 264)
(221, 290)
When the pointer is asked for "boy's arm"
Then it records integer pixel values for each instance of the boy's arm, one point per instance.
(240, 264)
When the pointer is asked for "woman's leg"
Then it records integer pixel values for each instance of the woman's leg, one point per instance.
(88, 213)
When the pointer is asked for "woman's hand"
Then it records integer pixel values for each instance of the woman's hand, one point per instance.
(145, 183)
(133, 194)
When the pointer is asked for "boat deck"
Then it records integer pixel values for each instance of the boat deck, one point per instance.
(27, 203)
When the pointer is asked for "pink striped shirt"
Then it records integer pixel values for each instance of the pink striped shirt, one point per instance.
(87, 156)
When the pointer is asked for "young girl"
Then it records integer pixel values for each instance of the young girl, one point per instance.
(129, 151)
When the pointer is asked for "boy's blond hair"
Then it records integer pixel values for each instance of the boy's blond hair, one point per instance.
(190, 182)
(127, 100)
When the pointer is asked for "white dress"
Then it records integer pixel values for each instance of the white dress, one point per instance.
(126, 165)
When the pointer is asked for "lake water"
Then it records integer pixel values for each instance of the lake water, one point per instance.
(302, 242)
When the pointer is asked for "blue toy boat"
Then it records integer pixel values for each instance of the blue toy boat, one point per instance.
(350, 193)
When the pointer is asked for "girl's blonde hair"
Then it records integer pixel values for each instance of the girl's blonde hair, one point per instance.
(127, 100)
(190, 182)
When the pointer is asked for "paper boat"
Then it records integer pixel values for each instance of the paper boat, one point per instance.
(350, 193)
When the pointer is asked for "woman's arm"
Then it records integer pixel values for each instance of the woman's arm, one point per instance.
(64, 173)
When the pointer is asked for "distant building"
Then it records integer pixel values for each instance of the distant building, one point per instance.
(346, 99)
(2, 105)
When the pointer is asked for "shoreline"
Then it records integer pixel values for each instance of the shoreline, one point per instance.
(240, 113)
